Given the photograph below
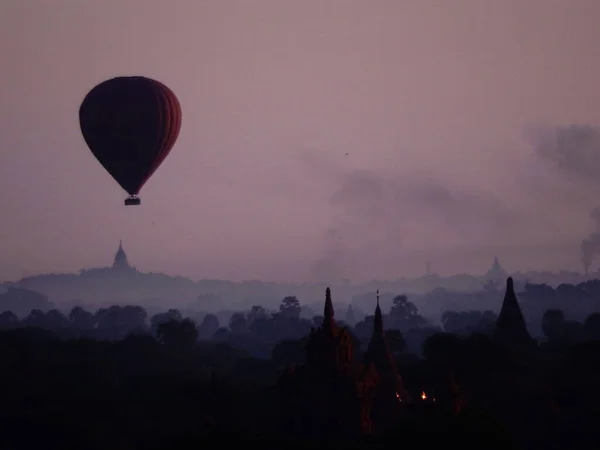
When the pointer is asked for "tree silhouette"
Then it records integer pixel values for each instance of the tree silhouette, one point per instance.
(8, 320)
(395, 341)
(404, 314)
(238, 322)
(592, 327)
(177, 335)
(257, 312)
(171, 314)
(82, 319)
(553, 324)
(208, 327)
(290, 307)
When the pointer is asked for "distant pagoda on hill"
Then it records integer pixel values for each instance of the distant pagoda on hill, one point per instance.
(496, 272)
(120, 266)
(121, 263)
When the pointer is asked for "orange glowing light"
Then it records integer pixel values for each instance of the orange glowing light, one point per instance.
(423, 395)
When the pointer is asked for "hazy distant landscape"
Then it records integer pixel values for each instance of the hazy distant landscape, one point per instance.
(299, 224)
(122, 284)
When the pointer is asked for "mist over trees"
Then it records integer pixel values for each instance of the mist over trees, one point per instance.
(236, 376)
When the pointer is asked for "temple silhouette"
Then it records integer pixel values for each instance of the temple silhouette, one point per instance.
(120, 266)
(496, 271)
(333, 393)
(121, 263)
(511, 328)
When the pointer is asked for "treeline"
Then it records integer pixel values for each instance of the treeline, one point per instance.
(257, 331)
(166, 390)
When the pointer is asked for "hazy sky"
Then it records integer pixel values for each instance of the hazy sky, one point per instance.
(430, 99)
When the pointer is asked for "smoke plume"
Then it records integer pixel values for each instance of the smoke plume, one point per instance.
(377, 215)
(574, 151)
(590, 246)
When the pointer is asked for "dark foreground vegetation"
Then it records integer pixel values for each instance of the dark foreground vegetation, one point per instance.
(163, 388)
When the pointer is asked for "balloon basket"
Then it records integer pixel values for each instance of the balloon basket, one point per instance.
(132, 201)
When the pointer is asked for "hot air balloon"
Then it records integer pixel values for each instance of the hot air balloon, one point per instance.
(130, 124)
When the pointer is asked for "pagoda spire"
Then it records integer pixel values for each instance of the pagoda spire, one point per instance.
(510, 324)
(378, 354)
(120, 261)
(496, 272)
(328, 312)
(378, 319)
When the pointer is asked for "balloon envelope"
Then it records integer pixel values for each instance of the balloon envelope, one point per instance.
(130, 124)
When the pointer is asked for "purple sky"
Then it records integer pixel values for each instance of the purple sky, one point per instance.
(430, 99)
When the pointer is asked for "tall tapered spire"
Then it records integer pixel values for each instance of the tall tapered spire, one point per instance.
(378, 353)
(328, 312)
(378, 319)
(120, 261)
(510, 324)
